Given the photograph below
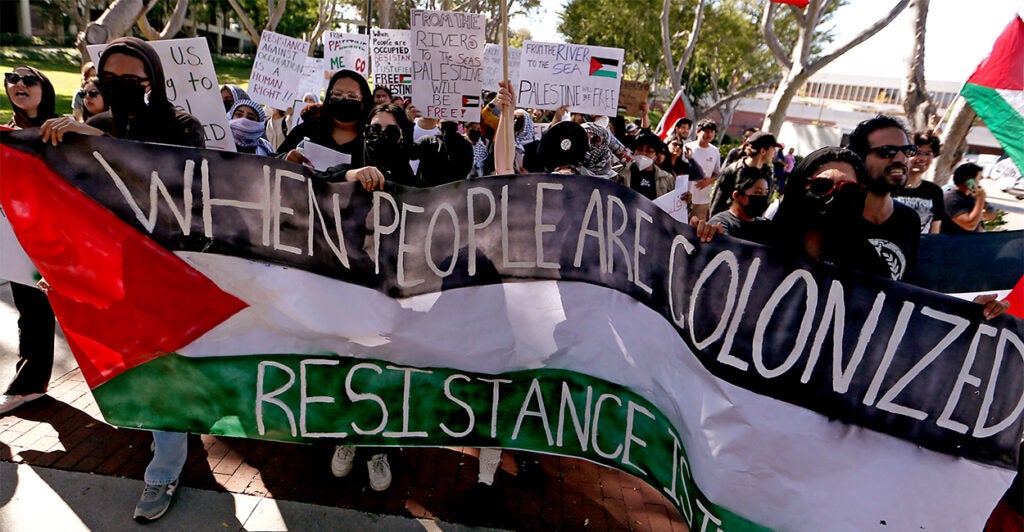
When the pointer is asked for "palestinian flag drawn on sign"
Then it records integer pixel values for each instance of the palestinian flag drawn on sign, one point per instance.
(604, 67)
(996, 90)
(558, 315)
(471, 101)
(405, 79)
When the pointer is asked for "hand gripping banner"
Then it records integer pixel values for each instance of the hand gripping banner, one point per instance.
(228, 294)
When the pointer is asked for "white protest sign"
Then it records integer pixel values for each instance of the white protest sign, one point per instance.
(447, 63)
(277, 69)
(191, 85)
(493, 69)
(392, 60)
(347, 51)
(313, 80)
(586, 78)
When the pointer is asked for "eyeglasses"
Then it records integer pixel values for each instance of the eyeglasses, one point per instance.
(29, 80)
(92, 94)
(346, 95)
(889, 151)
(824, 187)
(126, 79)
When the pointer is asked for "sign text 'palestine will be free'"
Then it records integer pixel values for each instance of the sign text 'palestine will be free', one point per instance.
(447, 63)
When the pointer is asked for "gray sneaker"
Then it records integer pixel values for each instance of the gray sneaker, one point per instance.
(380, 472)
(155, 501)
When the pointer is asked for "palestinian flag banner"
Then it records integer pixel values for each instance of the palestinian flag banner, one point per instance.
(562, 315)
(605, 67)
(675, 111)
(996, 90)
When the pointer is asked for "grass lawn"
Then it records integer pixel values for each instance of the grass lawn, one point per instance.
(62, 67)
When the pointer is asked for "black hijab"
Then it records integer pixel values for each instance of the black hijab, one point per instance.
(47, 105)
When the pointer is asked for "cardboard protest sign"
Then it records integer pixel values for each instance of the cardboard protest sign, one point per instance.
(392, 60)
(631, 95)
(559, 314)
(586, 78)
(493, 69)
(191, 85)
(346, 51)
(447, 63)
(313, 81)
(277, 69)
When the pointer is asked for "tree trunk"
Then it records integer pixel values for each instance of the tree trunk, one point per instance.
(384, 13)
(115, 22)
(250, 28)
(916, 102)
(171, 28)
(784, 94)
(954, 141)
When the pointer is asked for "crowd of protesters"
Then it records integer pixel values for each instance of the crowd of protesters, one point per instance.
(863, 206)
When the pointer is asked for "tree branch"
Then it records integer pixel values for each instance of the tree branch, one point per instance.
(246, 23)
(691, 43)
(743, 93)
(276, 11)
(868, 32)
(770, 39)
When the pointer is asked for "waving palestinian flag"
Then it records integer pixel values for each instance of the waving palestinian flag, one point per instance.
(229, 294)
(996, 90)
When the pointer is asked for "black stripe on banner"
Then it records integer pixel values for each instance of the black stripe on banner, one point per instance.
(606, 61)
(884, 355)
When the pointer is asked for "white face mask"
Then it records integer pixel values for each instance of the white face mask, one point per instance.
(643, 162)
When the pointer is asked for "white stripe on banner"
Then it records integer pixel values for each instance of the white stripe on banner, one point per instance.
(777, 464)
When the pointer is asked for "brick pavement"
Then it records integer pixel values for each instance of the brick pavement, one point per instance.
(64, 430)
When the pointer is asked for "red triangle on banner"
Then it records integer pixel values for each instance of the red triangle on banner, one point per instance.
(121, 299)
(595, 65)
(1004, 66)
(1016, 299)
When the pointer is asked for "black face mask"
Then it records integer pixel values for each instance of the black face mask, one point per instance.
(382, 143)
(520, 123)
(344, 110)
(756, 205)
(126, 98)
(474, 135)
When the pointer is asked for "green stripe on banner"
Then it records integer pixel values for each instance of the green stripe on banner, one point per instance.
(299, 398)
(605, 74)
(1005, 123)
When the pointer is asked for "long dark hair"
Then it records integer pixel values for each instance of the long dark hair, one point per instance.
(47, 105)
(364, 89)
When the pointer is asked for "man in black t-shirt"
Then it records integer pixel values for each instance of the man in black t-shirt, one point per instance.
(966, 203)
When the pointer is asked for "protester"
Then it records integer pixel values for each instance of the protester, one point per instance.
(749, 201)
(385, 146)
(277, 127)
(132, 81)
(709, 159)
(923, 196)
(382, 94)
(965, 204)
(445, 157)
(78, 100)
(737, 152)
(93, 102)
(33, 100)
(598, 160)
(474, 133)
(642, 175)
(679, 163)
(246, 119)
(759, 151)
(229, 94)
(310, 108)
(681, 130)
(790, 159)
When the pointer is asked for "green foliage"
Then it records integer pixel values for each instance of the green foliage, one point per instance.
(997, 223)
(633, 26)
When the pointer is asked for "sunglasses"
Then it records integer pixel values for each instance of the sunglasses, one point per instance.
(824, 187)
(127, 79)
(29, 80)
(889, 151)
(92, 94)
(376, 131)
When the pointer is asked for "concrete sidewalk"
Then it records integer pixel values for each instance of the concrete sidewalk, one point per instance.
(63, 468)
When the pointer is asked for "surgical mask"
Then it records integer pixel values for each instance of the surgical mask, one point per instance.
(756, 205)
(344, 109)
(642, 162)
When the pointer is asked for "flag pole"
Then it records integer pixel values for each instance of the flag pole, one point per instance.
(507, 118)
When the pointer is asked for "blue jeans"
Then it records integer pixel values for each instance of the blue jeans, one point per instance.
(168, 457)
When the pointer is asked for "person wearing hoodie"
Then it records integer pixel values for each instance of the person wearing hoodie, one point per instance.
(132, 82)
(32, 97)
(247, 119)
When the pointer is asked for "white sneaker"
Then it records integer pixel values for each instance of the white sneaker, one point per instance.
(341, 462)
(380, 472)
(10, 402)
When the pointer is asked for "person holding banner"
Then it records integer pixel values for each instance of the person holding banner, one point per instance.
(132, 80)
(385, 147)
(33, 99)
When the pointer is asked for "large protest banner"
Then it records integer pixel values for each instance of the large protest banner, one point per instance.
(447, 63)
(564, 315)
(347, 51)
(277, 69)
(586, 78)
(494, 70)
(191, 85)
(391, 51)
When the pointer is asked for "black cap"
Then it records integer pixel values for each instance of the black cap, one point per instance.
(647, 138)
(564, 144)
(763, 139)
